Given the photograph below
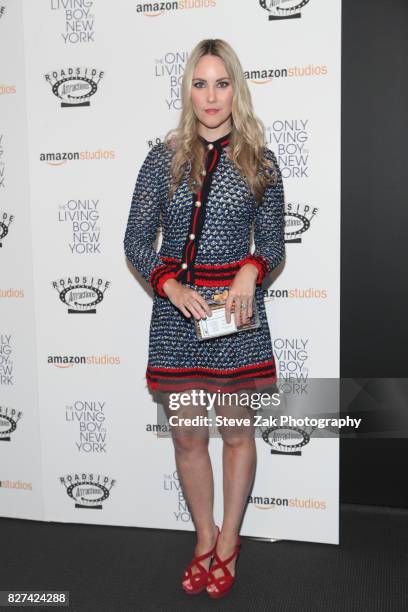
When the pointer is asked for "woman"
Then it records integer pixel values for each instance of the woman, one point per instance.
(211, 180)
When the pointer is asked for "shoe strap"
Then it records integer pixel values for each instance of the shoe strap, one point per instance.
(230, 558)
(210, 552)
(196, 560)
(222, 563)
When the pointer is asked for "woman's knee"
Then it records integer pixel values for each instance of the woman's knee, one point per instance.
(189, 443)
(242, 441)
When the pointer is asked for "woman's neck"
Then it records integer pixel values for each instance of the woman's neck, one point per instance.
(210, 135)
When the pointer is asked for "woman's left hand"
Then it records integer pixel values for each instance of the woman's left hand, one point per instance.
(241, 294)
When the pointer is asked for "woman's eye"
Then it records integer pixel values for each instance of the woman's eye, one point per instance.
(222, 83)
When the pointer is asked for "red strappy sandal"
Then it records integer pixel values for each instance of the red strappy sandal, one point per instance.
(223, 583)
(198, 580)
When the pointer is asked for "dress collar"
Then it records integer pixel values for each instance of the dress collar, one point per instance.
(219, 143)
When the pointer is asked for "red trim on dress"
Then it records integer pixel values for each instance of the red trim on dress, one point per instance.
(258, 261)
(206, 275)
(159, 275)
(200, 369)
(207, 378)
(257, 384)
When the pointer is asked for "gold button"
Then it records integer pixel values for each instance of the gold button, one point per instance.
(184, 265)
(192, 236)
(210, 146)
(198, 203)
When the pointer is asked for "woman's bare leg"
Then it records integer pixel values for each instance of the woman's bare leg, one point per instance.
(239, 467)
(196, 476)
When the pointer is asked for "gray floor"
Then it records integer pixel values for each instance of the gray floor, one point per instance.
(117, 568)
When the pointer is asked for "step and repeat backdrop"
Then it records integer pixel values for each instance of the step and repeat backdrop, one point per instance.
(86, 88)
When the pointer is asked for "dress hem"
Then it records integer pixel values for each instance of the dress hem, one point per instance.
(209, 383)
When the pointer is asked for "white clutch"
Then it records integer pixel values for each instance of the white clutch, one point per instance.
(217, 325)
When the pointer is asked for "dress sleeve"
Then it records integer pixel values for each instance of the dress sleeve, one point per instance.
(143, 223)
(269, 227)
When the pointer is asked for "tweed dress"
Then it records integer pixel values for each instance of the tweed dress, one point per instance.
(205, 241)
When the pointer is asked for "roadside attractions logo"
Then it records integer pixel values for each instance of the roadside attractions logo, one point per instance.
(81, 294)
(283, 9)
(157, 9)
(88, 490)
(9, 418)
(298, 218)
(74, 86)
(287, 440)
(5, 221)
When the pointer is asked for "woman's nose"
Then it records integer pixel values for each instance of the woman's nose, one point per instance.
(211, 95)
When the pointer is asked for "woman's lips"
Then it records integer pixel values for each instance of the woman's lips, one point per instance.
(212, 111)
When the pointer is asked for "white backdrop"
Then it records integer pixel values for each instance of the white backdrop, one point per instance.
(68, 166)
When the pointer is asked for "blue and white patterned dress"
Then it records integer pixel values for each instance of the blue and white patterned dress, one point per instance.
(205, 241)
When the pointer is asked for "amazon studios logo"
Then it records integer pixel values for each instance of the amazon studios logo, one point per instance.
(74, 86)
(88, 490)
(157, 9)
(5, 221)
(9, 418)
(283, 9)
(81, 293)
(298, 218)
(59, 158)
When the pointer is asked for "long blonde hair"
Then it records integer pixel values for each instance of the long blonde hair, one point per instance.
(246, 146)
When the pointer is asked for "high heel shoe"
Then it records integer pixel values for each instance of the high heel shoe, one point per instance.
(225, 582)
(198, 580)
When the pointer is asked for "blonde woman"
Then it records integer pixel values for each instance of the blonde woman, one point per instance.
(208, 184)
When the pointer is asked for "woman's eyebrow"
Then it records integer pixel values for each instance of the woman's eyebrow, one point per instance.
(221, 79)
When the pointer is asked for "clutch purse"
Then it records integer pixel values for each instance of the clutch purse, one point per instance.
(217, 325)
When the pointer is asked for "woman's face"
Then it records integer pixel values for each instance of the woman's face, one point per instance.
(211, 92)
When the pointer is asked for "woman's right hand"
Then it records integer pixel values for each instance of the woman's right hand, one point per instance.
(189, 301)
